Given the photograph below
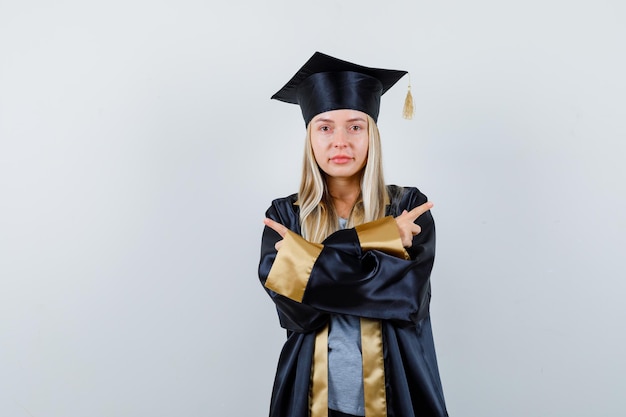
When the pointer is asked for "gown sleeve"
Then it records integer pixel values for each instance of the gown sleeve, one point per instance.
(293, 316)
(360, 271)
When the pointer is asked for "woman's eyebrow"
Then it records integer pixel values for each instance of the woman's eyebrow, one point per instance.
(357, 119)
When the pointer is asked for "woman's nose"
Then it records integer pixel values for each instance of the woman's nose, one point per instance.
(339, 139)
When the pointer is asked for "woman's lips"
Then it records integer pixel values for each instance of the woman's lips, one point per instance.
(341, 159)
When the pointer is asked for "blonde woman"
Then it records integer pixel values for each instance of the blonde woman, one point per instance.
(347, 262)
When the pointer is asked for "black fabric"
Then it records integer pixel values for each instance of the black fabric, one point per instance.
(346, 280)
(326, 83)
(327, 91)
(335, 413)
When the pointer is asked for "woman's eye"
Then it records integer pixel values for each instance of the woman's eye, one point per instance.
(324, 128)
(356, 128)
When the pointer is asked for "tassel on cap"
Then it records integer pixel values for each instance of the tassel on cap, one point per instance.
(408, 110)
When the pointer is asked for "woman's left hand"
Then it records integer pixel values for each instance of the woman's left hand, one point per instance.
(406, 225)
(278, 228)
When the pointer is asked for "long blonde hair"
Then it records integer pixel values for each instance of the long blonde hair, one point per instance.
(318, 218)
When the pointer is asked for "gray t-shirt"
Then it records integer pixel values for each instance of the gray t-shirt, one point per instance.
(345, 366)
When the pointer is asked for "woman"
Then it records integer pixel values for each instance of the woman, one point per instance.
(347, 262)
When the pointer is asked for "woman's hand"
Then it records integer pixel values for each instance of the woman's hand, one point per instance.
(404, 221)
(406, 225)
(278, 228)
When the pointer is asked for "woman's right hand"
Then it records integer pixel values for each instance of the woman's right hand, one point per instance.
(278, 228)
(406, 225)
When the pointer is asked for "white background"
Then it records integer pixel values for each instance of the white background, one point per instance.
(139, 150)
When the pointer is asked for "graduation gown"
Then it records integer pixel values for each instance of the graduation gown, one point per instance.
(362, 271)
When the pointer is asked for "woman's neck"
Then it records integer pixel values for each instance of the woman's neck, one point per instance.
(344, 194)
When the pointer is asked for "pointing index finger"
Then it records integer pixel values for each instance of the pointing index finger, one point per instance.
(277, 227)
(419, 210)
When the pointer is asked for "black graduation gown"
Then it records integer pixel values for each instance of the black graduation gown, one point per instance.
(348, 280)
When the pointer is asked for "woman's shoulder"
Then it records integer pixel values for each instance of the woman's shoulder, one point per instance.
(284, 209)
(403, 198)
(399, 193)
(289, 201)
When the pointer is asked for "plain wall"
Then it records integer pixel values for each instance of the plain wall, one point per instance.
(139, 150)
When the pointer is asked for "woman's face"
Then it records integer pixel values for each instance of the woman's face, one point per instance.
(340, 142)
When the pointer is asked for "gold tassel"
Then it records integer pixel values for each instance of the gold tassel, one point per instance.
(408, 110)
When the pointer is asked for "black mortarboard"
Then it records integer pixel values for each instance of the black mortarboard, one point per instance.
(325, 83)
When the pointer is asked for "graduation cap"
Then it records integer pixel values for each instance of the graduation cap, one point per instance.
(326, 83)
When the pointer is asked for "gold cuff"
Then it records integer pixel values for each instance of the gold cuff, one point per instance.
(382, 235)
(292, 267)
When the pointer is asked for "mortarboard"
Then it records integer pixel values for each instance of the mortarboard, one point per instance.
(326, 83)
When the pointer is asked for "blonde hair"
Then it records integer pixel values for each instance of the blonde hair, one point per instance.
(318, 218)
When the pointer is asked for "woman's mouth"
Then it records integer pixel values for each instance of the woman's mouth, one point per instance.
(341, 159)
